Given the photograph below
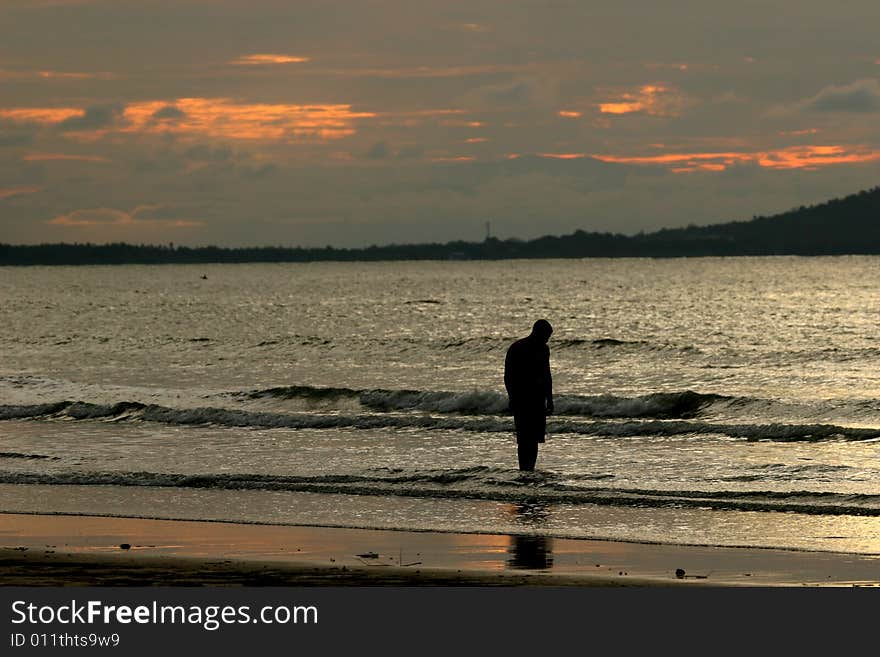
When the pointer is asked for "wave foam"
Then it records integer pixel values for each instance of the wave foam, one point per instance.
(483, 483)
(135, 411)
(485, 402)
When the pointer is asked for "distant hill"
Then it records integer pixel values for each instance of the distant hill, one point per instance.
(849, 225)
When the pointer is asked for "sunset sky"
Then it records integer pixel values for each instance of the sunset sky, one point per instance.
(354, 122)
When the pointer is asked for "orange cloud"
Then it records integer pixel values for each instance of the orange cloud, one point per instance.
(798, 133)
(621, 108)
(268, 60)
(461, 158)
(211, 117)
(794, 157)
(456, 123)
(652, 99)
(802, 157)
(690, 159)
(703, 166)
(562, 156)
(667, 65)
(44, 115)
(111, 217)
(427, 112)
(225, 118)
(476, 140)
(17, 191)
(474, 27)
(570, 114)
(56, 75)
(420, 71)
(46, 157)
(75, 75)
(415, 118)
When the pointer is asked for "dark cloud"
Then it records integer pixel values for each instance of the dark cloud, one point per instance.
(262, 172)
(379, 151)
(11, 136)
(860, 96)
(17, 173)
(94, 118)
(206, 153)
(410, 152)
(168, 113)
(159, 163)
(526, 93)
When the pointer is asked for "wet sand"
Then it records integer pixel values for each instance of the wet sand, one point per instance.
(46, 550)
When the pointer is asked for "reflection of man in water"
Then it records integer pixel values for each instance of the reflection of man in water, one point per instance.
(530, 552)
(530, 390)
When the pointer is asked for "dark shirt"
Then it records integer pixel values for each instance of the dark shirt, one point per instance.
(527, 375)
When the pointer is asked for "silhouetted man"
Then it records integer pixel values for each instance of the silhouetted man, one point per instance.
(530, 390)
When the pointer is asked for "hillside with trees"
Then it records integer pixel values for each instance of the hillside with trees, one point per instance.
(849, 225)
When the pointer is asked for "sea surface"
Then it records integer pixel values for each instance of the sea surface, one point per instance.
(713, 401)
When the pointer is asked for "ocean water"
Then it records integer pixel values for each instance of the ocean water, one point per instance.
(702, 401)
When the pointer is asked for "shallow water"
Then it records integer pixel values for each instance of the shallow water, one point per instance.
(718, 401)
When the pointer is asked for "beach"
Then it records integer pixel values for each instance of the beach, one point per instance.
(271, 422)
(43, 550)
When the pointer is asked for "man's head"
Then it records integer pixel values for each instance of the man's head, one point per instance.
(542, 330)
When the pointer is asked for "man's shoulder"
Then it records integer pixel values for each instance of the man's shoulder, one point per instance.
(518, 345)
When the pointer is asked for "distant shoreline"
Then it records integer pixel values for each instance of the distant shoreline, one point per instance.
(81, 255)
(111, 262)
(839, 227)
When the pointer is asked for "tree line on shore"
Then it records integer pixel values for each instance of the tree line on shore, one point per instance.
(849, 225)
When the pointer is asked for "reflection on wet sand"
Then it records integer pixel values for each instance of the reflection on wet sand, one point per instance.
(530, 551)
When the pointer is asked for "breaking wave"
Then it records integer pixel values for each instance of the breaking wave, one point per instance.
(484, 402)
(31, 457)
(213, 416)
(482, 483)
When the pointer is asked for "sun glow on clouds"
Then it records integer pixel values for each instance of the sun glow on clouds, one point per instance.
(211, 117)
(456, 123)
(562, 156)
(17, 191)
(111, 217)
(474, 27)
(799, 133)
(652, 99)
(621, 107)
(794, 157)
(570, 114)
(802, 157)
(40, 114)
(268, 59)
(415, 118)
(222, 117)
(49, 157)
(56, 75)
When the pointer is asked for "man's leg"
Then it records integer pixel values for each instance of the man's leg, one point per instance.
(528, 455)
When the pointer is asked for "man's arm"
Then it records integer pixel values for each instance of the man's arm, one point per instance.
(548, 378)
